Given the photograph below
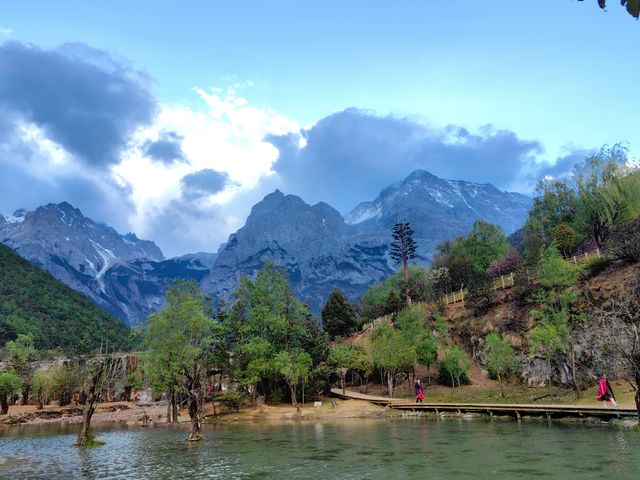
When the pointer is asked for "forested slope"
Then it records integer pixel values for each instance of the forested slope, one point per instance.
(56, 316)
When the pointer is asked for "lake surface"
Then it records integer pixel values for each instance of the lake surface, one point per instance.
(353, 449)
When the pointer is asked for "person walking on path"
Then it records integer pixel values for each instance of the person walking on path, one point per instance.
(419, 392)
(605, 392)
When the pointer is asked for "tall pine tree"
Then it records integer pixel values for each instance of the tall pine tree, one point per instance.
(403, 249)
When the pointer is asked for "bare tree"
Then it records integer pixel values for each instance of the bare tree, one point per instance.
(192, 386)
(619, 318)
(101, 375)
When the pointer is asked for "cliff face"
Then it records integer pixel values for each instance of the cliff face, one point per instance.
(320, 249)
(510, 317)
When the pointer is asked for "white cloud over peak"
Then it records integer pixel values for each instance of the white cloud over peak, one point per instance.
(227, 136)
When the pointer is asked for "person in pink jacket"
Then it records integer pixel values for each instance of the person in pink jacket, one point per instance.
(605, 392)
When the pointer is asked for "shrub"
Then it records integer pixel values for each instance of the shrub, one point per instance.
(232, 400)
(624, 241)
(505, 265)
(597, 266)
(523, 286)
(318, 383)
(480, 294)
(454, 368)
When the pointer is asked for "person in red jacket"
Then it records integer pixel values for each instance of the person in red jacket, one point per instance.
(419, 392)
(605, 392)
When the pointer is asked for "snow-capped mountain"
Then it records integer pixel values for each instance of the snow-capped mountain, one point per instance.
(319, 248)
(437, 209)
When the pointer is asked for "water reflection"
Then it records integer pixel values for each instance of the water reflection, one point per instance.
(351, 449)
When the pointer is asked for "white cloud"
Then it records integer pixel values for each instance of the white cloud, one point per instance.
(227, 135)
(5, 32)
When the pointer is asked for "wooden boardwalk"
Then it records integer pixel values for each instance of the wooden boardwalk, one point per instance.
(515, 410)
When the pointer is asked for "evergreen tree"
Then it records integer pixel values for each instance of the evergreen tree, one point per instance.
(403, 249)
(338, 316)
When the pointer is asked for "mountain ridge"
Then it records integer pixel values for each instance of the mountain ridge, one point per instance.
(320, 248)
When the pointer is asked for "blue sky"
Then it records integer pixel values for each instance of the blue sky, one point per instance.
(527, 83)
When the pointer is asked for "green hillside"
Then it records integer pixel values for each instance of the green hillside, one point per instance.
(56, 316)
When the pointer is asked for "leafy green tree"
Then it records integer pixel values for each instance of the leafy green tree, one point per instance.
(265, 320)
(338, 316)
(391, 354)
(178, 339)
(499, 357)
(402, 249)
(412, 323)
(345, 357)
(132, 380)
(21, 353)
(556, 308)
(374, 300)
(294, 367)
(485, 243)
(10, 384)
(553, 204)
(426, 347)
(65, 380)
(564, 238)
(454, 367)
(41, 385)
(599, 203)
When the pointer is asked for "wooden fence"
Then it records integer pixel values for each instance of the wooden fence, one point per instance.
(507, 281)
(500, 283)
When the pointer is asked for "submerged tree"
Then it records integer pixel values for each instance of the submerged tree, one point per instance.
(402, 249)
(178, 339)
(101, 374)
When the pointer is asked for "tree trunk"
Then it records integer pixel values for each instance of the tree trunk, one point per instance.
(85, 434)
(169, 398)
(26, 389)
(501, 386)
(573, 372)
(294, 400)
(91, 399)
(4, 405)
(390, 382)
(40, 402)
(342, 383)
(192, 387)
(174, 407)
(637, 395)
(405, 266)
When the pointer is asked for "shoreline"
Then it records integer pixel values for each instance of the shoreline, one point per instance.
(131, 414)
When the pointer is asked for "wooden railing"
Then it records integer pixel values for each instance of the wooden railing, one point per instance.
(507, 281)
(500, 283)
